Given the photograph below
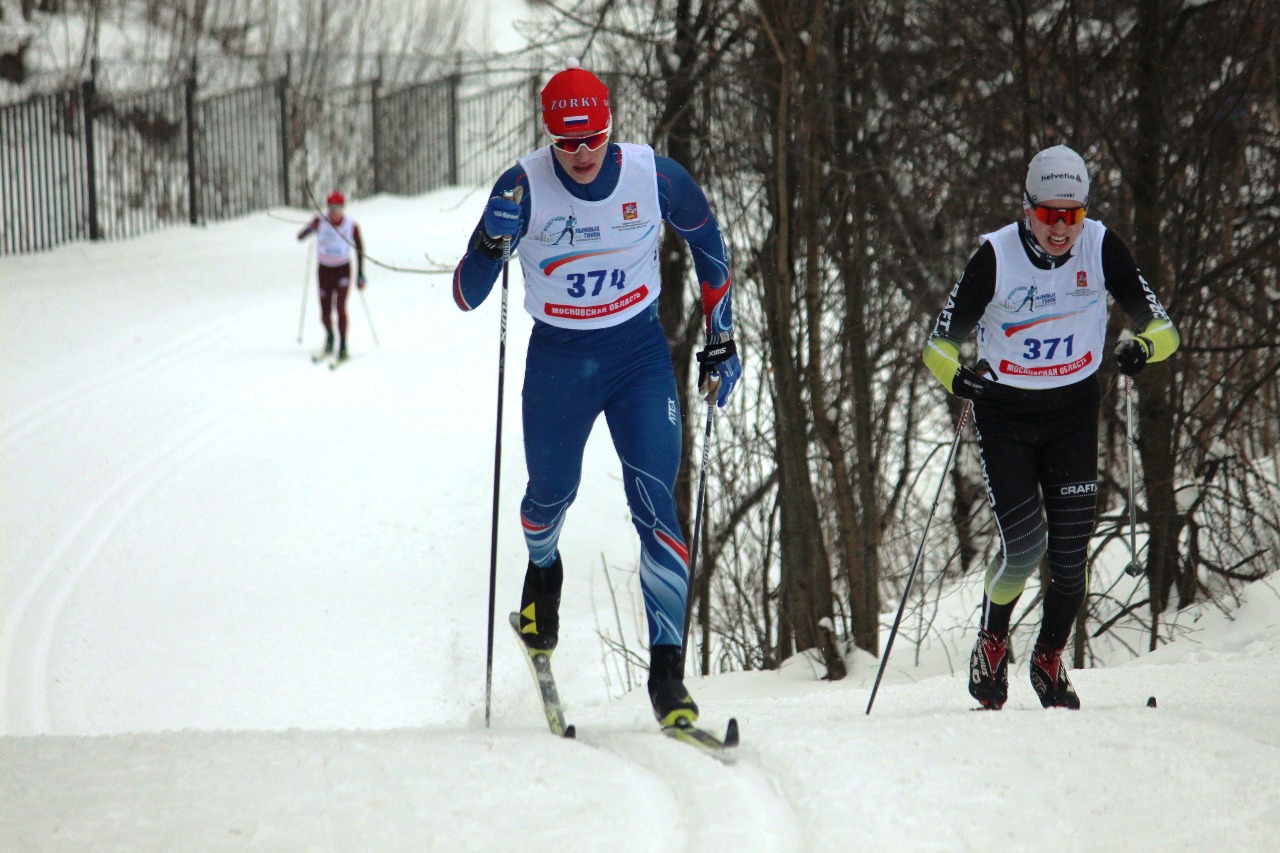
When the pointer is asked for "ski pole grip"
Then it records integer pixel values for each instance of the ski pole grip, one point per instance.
(515, 194)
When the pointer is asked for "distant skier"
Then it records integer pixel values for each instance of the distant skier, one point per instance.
(1037, 420)
(597, 346)
(336, 234)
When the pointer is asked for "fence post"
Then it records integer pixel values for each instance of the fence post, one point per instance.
(374, 135)
(282, 93)
(89, 92)
(193, 179)
(536, 108)
(455, 80)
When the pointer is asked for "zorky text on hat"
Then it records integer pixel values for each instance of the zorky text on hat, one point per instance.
(575, 101)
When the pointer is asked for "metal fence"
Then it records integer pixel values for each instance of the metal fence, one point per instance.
(412, 147)
(141, 154)
(79, 164)
(240, 153)
(43, 168)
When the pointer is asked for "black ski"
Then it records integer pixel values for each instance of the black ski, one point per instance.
(540, 668)
(722, 749)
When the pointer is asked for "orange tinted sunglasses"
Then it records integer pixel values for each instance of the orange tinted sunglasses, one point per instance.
(1050, 215)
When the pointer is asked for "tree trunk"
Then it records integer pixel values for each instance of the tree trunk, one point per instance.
(1155, 412)
(680, 123)
(806, 570)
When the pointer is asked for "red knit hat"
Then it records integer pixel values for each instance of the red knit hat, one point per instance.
(575, 101)
(335, 197)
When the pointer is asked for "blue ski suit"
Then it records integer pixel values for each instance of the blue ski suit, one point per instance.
(623, 371)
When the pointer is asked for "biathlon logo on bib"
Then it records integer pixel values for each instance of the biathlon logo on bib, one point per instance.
(1029, 297)
(630, 211)
(566, 231)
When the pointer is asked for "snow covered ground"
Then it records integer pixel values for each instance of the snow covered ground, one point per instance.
(244, 604)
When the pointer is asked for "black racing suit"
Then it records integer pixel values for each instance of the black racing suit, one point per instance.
(1039, 449)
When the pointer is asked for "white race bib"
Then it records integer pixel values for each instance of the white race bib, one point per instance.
(1045, 328)
(591, 264)
(333, 243)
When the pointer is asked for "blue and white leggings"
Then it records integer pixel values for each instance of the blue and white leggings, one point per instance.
(571, 376)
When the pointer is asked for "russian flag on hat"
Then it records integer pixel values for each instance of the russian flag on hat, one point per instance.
(575, 101)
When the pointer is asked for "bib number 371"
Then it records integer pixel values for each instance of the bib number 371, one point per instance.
(1038, 348)
(594, 281)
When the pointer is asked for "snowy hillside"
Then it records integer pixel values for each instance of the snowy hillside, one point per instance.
(244, 603)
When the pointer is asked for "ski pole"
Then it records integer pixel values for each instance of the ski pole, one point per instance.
(306, 286)
(515, 195)
(893, 632)
(369, 317)
(697, 530)
(1134, 569)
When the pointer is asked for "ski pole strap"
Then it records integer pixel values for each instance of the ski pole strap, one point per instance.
(719, 349)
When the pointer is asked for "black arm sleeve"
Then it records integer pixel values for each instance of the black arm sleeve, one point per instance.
(968, 300)
(1126, 284)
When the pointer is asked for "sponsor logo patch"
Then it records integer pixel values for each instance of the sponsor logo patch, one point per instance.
(629, 210)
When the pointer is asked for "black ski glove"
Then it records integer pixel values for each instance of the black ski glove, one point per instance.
(1132, 355)
(717, 362)
(969, 385)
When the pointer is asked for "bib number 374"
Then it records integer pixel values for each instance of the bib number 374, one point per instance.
(590, 283)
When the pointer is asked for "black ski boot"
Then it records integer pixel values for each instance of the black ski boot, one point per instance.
(328, 343)
(989, 670)
(540, 605)
(1049, 678)
(342, 350)
(672, 704)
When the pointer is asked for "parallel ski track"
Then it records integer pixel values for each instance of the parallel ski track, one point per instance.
(763, 819)
(30, 624)
(37, 416)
